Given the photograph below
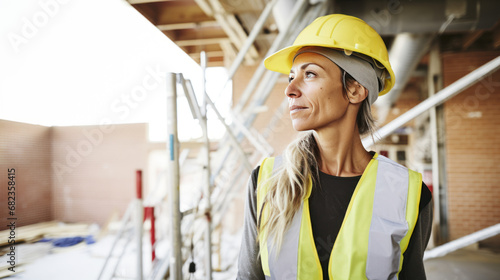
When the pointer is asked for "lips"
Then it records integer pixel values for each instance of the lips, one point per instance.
(296, 108)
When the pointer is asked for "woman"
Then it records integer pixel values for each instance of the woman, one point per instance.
(327, 208)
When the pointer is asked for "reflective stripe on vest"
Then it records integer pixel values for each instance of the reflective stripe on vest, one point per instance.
(374, 234)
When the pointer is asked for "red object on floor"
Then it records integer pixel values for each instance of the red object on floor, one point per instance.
(149, 213)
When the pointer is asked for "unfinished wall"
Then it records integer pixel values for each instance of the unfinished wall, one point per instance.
(94, 170)
(472, 121)
(26, 148)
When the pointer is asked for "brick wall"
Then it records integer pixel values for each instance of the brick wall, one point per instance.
(472, 121)
(71, 174)
(26, 148)
(94, 170)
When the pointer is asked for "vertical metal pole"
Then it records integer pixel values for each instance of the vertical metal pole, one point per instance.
(139, 222)
(173, 182)
(435, 82)
(206, 186)
(434, 70)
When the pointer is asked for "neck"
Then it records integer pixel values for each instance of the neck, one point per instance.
(341, 151)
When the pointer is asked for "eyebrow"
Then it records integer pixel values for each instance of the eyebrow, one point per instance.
(305, 65)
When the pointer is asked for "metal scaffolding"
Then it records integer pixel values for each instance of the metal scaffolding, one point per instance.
(435, 100)
(221, 184)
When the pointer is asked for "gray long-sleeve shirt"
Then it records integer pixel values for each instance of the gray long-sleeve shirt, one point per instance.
(330, 200)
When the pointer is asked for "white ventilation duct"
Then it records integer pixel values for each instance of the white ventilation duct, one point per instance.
(404, 55)
(282, 11)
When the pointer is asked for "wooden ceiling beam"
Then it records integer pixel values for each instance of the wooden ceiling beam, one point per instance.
(470, 38)
(195, 25)
(206, 48)
(201, 33)
(209, 54)
(238, 7)
(199, 42)
(187, 25)
(231, 26)
(148, 11)
(133, 2)
(496, 35)
(216, 64)
(175, 14)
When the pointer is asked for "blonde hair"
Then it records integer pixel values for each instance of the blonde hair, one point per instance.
(287, 188)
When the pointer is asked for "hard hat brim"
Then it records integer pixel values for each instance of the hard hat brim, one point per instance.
(282, 61)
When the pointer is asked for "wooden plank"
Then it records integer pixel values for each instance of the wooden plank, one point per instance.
(200, 33)
(234, 30)
(196, 55)
(183, 12)
(187, 25)
(496, 35)
(206, 48)
(200, 42)
(148, 11)
(45, 229)
(470, 38)
(237, 7)
(146, 1)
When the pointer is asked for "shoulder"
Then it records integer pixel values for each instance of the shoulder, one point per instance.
(425, 193)
(389, 163)
(425, 196)
(267, 166)
(254, 177)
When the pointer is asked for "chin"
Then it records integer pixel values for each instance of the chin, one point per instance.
(300, 127)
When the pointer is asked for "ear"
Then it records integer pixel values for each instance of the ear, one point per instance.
(357, 93)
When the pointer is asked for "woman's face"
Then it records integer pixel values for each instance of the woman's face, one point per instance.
(314, 92)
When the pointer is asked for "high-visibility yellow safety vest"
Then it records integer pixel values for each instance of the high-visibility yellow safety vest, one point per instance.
(375, 232)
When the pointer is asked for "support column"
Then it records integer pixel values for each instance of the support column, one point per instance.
(173, 179)
(435, 84)
(206, 186)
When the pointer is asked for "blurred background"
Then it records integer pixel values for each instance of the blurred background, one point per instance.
(83, 108)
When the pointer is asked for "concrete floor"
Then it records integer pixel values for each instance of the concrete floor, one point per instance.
(464, 264)
(83, 262)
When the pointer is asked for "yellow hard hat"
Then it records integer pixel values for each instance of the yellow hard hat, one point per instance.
(337, 31)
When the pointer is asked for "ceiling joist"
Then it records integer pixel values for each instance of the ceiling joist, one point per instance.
(187, 25)
(199, 42)
(133, 2)
(472, 37)
(209, 25)
(174, 12)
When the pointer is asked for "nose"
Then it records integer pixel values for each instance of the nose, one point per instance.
(292, 90)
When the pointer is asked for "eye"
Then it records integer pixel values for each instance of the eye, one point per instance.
(310, 74)
(290, 79)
